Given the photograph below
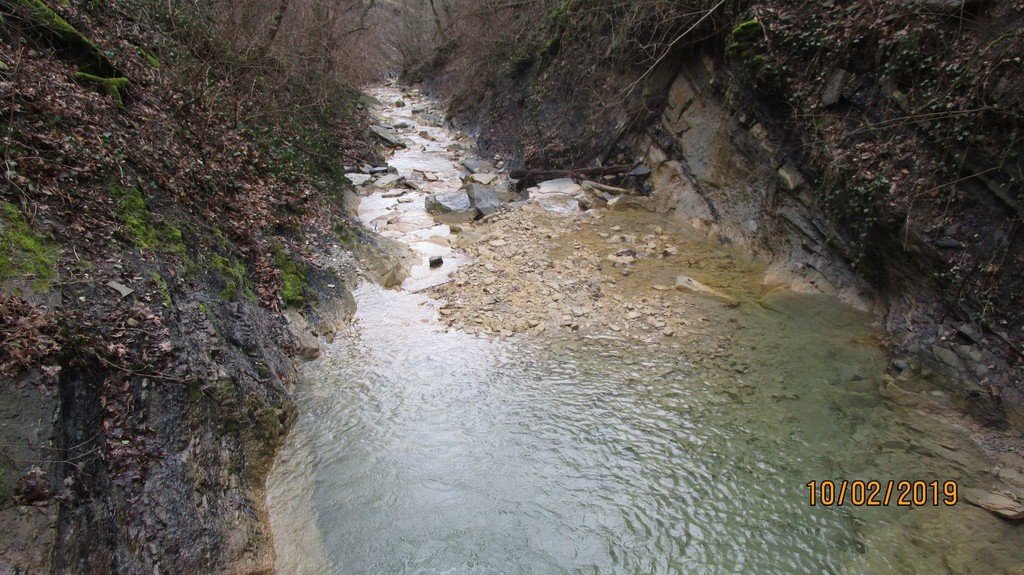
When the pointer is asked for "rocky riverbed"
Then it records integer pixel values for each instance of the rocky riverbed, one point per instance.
(560, 350)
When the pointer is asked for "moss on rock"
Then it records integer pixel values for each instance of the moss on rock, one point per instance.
(235, 276)
(23, 254)
(113, 86)
(293, 278)
(133, 211)
(44, 17)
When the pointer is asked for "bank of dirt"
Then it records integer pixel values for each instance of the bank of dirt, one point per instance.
(170, 249)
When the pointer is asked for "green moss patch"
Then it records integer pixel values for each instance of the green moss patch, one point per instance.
(42, 16)
(150, 59)
(23, 254)
(293, 278)
(165, 289)
(113, 86)
(64, 35)
(235, 276)
(133, 211)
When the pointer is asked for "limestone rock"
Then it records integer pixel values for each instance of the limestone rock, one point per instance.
(307, 346)
(484, 198)
(451, 207)
(387, 136)
(995, 503)
(686, 283)
(790, 178)
(833, 89)
(389, 180)
(483, 178)
(948, 357)
(478, 166)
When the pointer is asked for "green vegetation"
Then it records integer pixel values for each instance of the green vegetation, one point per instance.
(113, 86)
(236, 278)
(133, 211)
(746, 48)
(165, 290)
(293, 279)
(23, 254)
(67, 36)
(150, 59)
(41, 15)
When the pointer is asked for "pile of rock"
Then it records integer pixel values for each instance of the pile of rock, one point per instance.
(483, 193)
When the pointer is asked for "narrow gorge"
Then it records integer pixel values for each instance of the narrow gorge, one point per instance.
(469, 286)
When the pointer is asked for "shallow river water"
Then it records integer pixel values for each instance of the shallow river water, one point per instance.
(426, 450)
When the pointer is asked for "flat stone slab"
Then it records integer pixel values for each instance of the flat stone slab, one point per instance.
(390, 138)
(484, 179)
(562, 186)
(995, 503)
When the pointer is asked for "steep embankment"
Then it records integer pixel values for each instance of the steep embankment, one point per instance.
(866, 149)
(157, 227)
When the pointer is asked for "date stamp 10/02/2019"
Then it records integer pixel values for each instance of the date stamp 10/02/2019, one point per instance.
(891, 493)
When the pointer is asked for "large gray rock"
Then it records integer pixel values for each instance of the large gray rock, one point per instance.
(305, 343)
(486, 199)
(451, 207)
(995, 503)
(387, 136)
(479, 166)
(833, 89)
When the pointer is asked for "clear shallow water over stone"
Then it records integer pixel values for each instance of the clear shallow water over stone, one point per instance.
(421, 450)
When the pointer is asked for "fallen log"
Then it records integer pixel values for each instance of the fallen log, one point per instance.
(527, 177)
(597, 186)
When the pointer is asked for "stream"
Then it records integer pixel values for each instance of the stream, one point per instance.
(425, 449)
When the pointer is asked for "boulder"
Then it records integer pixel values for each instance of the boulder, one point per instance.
(790, 178)
(436, 261)
(478, 166)
(586, 201)
(400, 103)
(563, 186)
(833, 89)
(389, 181)
(304, 342)
(483, 178)
(358, 179)
(995, 503)
(387, 136)
(451, 207)
(619, 203)
(484, 198)
(948, 357)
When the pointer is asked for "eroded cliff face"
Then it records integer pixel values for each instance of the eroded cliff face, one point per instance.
(163, 264)
(823, 169)
(718, 165)
(722, 172)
